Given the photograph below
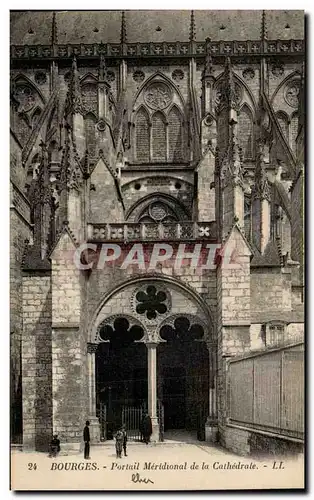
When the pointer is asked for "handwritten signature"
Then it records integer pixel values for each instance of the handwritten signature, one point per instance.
(137, 479)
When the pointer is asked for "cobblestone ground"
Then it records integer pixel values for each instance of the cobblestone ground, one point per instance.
(161, 467)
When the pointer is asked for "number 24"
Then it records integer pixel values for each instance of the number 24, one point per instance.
(32, 466)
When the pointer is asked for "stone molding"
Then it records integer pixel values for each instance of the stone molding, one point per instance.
(161, 49)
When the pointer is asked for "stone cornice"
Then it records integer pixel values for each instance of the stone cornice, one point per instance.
(160, 49)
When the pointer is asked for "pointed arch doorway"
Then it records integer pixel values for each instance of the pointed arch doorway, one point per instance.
(183, 376)
(121, 372)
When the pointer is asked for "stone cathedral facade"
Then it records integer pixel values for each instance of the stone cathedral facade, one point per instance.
(170, 128)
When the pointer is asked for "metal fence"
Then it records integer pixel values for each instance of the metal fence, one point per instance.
(131, 417)
(266, 391)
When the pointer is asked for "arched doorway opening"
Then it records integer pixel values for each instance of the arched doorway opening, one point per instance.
(183, 375)
(121, 371)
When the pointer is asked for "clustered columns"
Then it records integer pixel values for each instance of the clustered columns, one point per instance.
(94, 422)
(211, 425)
(152, 388)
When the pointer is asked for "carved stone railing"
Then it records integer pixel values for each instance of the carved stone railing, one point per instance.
(133, 231)
(169, 49)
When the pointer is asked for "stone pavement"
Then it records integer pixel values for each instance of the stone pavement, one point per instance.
(168, 466)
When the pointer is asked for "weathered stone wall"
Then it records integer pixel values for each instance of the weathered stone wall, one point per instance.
(104, 204)
(245, 442)
(233, 317)
(69, 345)
(20, 230)
(270, 290)
(236, 440)
(205, 193)
(37, 361)
(143, 186)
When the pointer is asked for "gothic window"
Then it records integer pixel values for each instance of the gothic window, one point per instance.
(158, 212)
(142, 136)
(121, 333)
(175, 135)
(90, 133)
(275, 334)
(29, 107)
(159, 137)
(24, 127)
(182, 331)
(25, 96)
(246, 132)
(284, 125)
(294, 131)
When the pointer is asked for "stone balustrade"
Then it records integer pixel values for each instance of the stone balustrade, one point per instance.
(130, 231)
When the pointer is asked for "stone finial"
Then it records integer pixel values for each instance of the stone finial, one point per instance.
(208, 69)
(192, 27)
(102, 68)
(263, 27)
(74, 100)
(123, 37)
(228, 96)
(71, 175)
(261, 188)
(232, 163)
(54, 30)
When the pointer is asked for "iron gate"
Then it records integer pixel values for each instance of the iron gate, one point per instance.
(103, 421)
(131, 418)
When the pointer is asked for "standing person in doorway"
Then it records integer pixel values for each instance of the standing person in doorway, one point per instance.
(147, 428)
(125, 439)
(119, 437)
(86, 441)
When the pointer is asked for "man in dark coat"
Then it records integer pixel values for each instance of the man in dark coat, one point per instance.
(86, 436)
(146, 428)
(125, 439)
(54, 448)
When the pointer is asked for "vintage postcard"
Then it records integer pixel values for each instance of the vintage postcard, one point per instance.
(157, 276)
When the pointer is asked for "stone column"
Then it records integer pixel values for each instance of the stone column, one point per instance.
(94, 422)
(152, 388)
(211, 426)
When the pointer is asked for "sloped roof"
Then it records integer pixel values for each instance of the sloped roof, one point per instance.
(270, 257)
(152, 25)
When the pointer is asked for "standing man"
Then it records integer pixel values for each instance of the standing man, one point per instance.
(86, 441)
(54, 447)
(147, 428)
(125, 439)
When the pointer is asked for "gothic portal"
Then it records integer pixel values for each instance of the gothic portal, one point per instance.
(164, 147)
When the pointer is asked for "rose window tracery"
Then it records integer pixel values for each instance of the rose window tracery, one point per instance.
(182, 330)
(138, 76)
(158, 212)
(292, 94)
(26, 98)
(121, 333)
(158, 95)
(151, 301)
